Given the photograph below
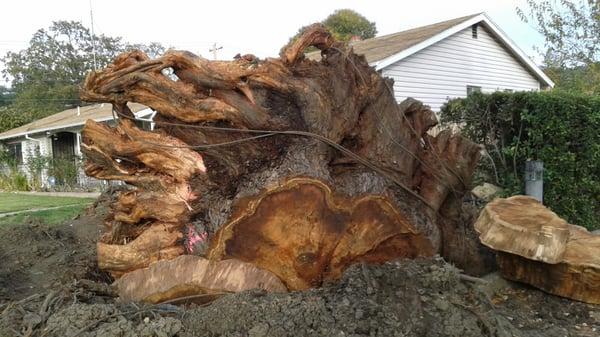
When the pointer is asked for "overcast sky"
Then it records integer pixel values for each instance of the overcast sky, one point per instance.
(257, 27)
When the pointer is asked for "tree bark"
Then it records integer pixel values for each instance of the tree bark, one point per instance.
(336, 172)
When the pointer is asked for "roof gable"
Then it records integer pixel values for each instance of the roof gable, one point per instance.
(460, 24)
(383, 47)
(385, 50)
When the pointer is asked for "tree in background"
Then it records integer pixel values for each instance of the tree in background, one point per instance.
(45, 77)
(344, 24)
(571, 30)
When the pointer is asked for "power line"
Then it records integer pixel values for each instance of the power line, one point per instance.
(93, 36)
(269, 133)
(177, 43)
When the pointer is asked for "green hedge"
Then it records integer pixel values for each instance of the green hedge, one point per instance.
(559, 128)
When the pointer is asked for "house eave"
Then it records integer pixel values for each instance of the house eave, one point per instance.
(138, 114)
(544, 80)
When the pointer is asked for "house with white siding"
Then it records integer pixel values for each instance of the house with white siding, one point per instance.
(59, 135)
(450, 59)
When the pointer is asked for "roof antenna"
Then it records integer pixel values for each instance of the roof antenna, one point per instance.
(93, 36)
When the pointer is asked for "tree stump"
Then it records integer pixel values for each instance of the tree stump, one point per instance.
(296, 166)
(537, 247)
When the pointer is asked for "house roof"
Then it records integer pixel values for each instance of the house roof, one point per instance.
(385, 50)
(379, 48)
(69, 118)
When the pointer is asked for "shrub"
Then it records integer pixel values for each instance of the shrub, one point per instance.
(36, 163)
(65, 170)
(559, 128)
(11, 178)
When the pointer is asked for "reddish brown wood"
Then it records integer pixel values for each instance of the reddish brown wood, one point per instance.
(306, 235)
(157, 242)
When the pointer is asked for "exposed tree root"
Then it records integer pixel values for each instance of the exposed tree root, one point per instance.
(324, 168)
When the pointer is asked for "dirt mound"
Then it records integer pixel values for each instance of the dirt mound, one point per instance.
(408, 298)
(51, 287)
(75, 320)
(36, 256)
(424, 298)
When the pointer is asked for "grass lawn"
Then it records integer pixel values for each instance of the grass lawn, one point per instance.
(13, 202)
(51, 216)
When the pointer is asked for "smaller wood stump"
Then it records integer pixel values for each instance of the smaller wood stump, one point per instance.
(193, 275)
(537, 247)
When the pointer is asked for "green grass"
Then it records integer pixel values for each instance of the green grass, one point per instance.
(13, 202)
(51, 216)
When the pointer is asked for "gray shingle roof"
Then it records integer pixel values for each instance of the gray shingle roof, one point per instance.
(379, 48)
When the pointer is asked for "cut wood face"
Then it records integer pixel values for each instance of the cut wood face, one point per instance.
(522, 226)
(193, 275)
(305, 234)
(537, 247)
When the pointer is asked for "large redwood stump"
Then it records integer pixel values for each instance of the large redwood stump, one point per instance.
(344, 175)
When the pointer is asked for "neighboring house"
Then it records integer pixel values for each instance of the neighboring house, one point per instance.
(59, 135)
(451, 59)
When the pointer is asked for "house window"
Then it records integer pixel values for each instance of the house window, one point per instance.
(472, 88)
(474, 31)
(34, 149)
(15, 151)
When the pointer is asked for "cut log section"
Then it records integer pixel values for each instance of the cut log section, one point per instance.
(537, 247)
(298, 167)
(190, 275)
(305, 235)
(521, 225)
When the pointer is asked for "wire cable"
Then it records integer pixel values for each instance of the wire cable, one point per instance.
(404, 148)
(268, 133)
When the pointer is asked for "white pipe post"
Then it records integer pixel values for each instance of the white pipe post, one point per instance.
(534, 179)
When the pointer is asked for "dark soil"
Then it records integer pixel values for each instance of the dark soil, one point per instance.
(35, 256)
(51, 287)
(407, 298)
